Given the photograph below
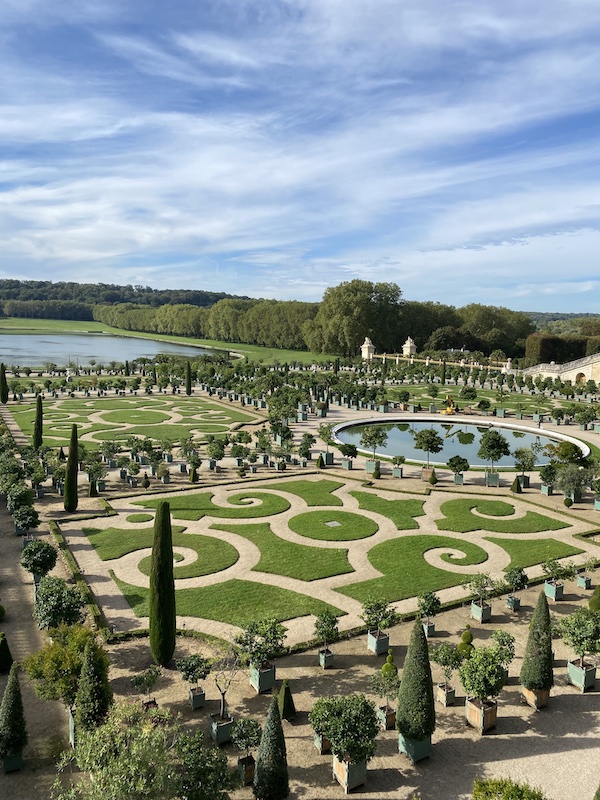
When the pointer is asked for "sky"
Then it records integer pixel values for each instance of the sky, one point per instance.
(273, 148)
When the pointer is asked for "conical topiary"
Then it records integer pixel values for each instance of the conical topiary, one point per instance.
(3, 385)
(320, 463)
(188, 378)
(162, 589)
(13, 732)
(6, 659)
(516, 486)
(415, 714)
(70, 491)
(94, 695)
(39, 424)
(271, 780)
(536, 670)
(285, 702)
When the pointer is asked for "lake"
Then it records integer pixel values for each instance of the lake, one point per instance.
(36, 350)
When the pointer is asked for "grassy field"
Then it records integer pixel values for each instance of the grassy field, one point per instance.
(267, 355)
(333, 526)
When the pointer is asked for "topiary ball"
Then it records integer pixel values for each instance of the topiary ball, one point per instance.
(465, 649)
(466, 636)
(568, 502)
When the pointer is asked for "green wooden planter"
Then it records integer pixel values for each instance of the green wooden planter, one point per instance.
(554, 591)
(513, 603)
(584, 582)
(378, 642)
(397, 472)
(524, 481)
(387, 717)
(415, 749)
(481, 613)
(326, 658)
(349, 774)
(322, 744)
(546, 489)
(428, 628)
(220, 729)
(12, 763)
(371, 465)
(459, 478)
(262, 679)
(346, 463)
(446, 695)
(582, 677)
(197, 697)
(327, 459)
(492, 479)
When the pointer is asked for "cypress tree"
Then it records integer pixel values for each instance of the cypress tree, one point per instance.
(415, 714)
(162, 589)
(39, 423)
(13, 732)
(127, 373)
(6, 659)
(271, 781)
(3, 385)
(94, 695)
(70, 496)
(188, 378)
(536, 670)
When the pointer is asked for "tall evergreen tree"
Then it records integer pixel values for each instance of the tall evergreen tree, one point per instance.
(271, 780)
(39, 423)
(70, 495)
(94, 695)
(536, 670)
(162, 589)
(415, 714)
(3, 385)
(188, 378)
(6, 659)
(13, 731)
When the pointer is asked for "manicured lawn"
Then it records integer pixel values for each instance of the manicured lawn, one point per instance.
(534, 551)
(348, 526)
(460, 519)
(139, 518)
(401, 512)
(140, 416)
(280, 557)
(314, 493)
(235, 602)
(405, 571)
(214, 555)
(196, 506)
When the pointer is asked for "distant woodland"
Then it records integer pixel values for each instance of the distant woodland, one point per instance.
(336, 325)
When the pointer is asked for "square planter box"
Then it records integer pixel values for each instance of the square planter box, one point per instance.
(378, 642)
(387, 717)
(584, 582)
(524, 481)
(536, 698)
(513, 602)
(12, 763)
(349, 774)
(459, 479)
(597, 503)
(166, 479)
(322, 744)
(262, 678)
(326, 658)
(501, 412)
(481, 716)
(327, 459)
(183, 468)
(371, 465)
(582, 677)
(444, 694)
(415, 749)
(397, 472)
(428, 628)
(481, 613)
(197, 697)
(346, 463)
(220, 729)
(492, 479)
(245, 769)
(554, 591)
(426, 473)
(545, 489)
(433, 408)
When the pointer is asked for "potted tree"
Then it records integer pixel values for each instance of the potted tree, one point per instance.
(547, 477)
(224, 672)
(584, 581)
(504, 645)
(245, 734)
(492, 446)
(145, 682)
(351, 726)
(378, 614)
(385, 684)
(447, 656)
(429, 441)
(458, 465)
(349, 453)
(373, 436)
(516, 579)
(482, 677)
(194, 669)
(259, 643)
(415, 714)
(555, 574)
(319, 720)
(39, 558)
(480, 586)
(326, 631)
(581, 631)
(524, 461)
(428, 604)
(13, 732)
(397, 468)
(537, 677)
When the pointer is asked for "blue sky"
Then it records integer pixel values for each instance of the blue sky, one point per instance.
(277, 147)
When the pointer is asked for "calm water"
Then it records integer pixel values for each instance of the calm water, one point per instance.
(459, 440)
(32, 350)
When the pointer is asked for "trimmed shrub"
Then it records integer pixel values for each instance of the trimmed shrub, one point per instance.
(433, 479)
(516, 486)
(594, 601)
(56, 603)
(504, 789)
(94, 695)
(39, 557)
(70, 490)
(162, 589)
(271, 780)
(568, 501)
(415, 713)
(376, 472)
(39, 423)
(6, 659)
(13, 731)
(285, 702)
(320, 463)
(3, 385)
(536, 669)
